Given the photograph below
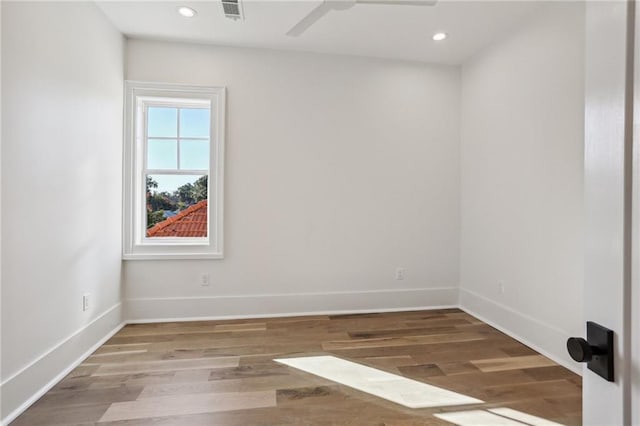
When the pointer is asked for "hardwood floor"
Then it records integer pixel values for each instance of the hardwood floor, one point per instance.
(223, 373)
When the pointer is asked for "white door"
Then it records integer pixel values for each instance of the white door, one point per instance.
(611, 181)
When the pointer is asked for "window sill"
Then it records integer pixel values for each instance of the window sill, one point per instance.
(173, 256)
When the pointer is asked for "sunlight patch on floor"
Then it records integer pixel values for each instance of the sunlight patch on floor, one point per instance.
(398, 389)
(494, 416)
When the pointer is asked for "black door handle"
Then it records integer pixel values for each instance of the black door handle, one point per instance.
(596, 351)
(579, 349)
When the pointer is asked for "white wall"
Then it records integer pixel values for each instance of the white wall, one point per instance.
(338, 170)
(62, 74)
(522, 181)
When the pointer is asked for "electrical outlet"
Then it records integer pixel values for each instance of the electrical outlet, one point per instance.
(85, 302)
(501, 287)
(400, 273)
(204, 279)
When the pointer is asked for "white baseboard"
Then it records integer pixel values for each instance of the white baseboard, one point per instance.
(23, 388)
(544, 338)
(292, 314)
(278, 305)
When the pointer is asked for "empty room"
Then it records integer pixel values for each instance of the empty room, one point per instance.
(320, 212)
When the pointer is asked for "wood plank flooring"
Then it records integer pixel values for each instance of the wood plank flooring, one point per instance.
(223, 373)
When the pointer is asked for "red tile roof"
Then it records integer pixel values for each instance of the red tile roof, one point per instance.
(190, 222)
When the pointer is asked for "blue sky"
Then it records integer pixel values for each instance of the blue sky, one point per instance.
(162, 152)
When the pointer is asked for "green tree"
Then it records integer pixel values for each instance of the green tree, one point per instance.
(157, 203)
(151, 184)
(200, 188)
(191, 193)
(161, 201)
(154, 217)
(185, 194)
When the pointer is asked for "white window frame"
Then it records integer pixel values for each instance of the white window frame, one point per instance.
(139, 95)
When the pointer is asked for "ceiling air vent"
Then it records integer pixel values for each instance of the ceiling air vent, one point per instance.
(232, 9)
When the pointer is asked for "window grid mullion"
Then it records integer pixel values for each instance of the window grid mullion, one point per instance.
(178, 140)
(173, 138)
(176, 172)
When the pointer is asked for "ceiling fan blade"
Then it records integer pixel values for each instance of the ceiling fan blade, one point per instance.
(310, 19)
(400, 2)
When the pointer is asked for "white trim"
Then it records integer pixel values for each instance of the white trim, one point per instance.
(171, 256)
(134, 245)
(292, 314)
(288, 304)
(42, 362)
(60, 343)
(311, 293)
(635, 234)
(520, 325)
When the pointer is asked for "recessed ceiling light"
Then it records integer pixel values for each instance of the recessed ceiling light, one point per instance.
(439, 36)
(187, 12)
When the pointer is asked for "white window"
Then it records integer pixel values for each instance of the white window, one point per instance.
(173, 180)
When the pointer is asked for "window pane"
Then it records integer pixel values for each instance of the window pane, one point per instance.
(194, 155)
(194, 122)
(162, 122)
(177, 206)
(162, 154)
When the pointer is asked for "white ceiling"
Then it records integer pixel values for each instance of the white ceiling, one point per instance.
(400, 32)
